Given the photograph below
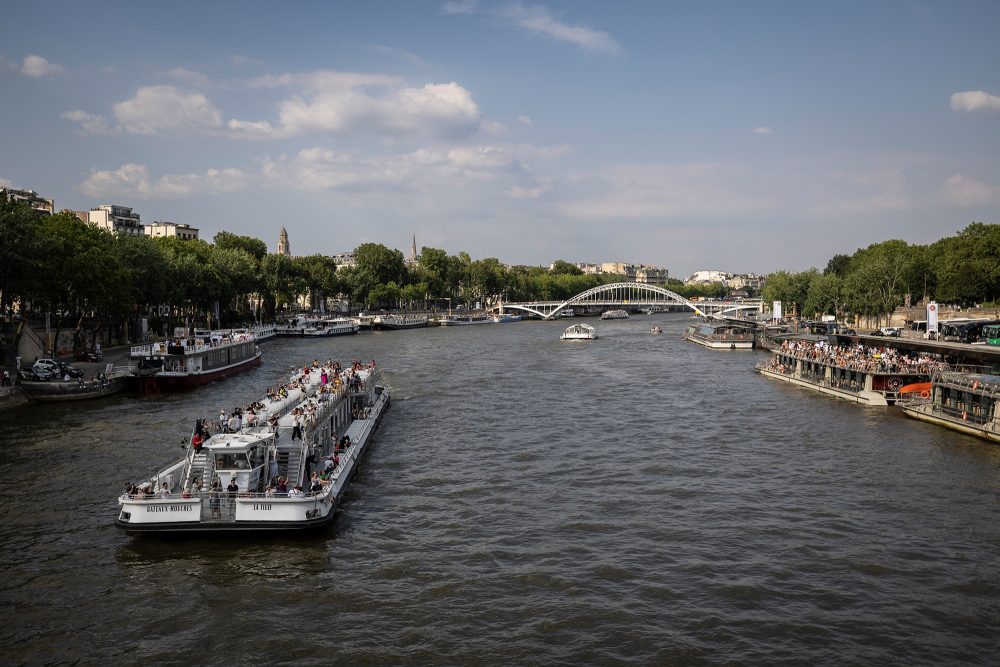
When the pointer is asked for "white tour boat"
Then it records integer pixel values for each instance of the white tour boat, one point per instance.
(309, 421)
(614, 315)
(579, 332)
(317, 326)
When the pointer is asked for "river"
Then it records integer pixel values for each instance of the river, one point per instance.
(634, 499)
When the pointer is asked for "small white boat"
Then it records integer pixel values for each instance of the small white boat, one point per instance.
(579, 332)
(614, 315)
(655, 330)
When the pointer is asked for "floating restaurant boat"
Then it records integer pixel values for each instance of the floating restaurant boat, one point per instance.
(873, 378)
(721, 336)
(964, 402)
(579, 332)
(465, 320)
(393, 322)
(183, 363)
(318, 327)
(614, 315)
(240, 469)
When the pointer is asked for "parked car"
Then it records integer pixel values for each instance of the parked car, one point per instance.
(849, 332)
(877, 332)
(892, 332)
(54, 369)
(91, 356)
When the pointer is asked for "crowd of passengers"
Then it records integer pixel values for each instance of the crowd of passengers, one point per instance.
(864, 358)
(332, 378)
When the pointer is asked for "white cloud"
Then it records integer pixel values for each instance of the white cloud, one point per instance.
(188, 76)
(240, 59)
(344, 106)
(90, 123)
(974, 101)
(525, 120)
(133, 180)
(521, 192)
(964, 191)
(155, 109)
(460, 7)
(762, 130)
(539, 20)
(323, 80)
(37, 67)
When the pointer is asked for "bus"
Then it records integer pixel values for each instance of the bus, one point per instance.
(991, 332)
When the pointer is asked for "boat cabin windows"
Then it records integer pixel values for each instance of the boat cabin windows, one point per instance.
(251, 457)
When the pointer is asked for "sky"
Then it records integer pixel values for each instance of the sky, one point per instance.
(738, 136)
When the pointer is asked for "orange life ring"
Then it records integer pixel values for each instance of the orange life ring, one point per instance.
(925, 394)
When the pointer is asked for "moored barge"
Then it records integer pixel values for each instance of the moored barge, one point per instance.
(184, 363)
(963, 402)
(855, 373)
(721, 336)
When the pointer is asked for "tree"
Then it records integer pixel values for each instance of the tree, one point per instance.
(20, 253)
(791, 289)
(230, 241)
(561, 266)
(839, 265)
(824, 296)
(878, 279)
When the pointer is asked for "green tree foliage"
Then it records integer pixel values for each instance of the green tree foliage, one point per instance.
(561, 266)
(21, 258)
(791, 289)
(824, 295)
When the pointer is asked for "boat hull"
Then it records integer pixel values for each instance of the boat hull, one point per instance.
(185, 381)
(925, 412)
(59, 392)
(864, 397)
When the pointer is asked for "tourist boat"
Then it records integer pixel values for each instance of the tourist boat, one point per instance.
(465, 320)
(393, 322)
(868, 381)
(183, 363)
(962, 401)
(342, 418)
(366, 322)
(503, 318)
(57, 391)
(579, 332)
(721, 336)
(317, 327)
(614, 315)
(567, 312)
(655, 330)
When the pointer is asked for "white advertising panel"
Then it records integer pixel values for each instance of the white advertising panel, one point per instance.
(932, 317)
(776, 310)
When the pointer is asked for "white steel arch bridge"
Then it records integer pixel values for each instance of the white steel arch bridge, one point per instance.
(613, 294)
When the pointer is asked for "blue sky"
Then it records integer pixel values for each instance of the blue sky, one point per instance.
(735, 136)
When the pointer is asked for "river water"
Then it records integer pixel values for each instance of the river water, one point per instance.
(632, 499)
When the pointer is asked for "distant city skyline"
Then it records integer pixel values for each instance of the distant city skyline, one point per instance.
(732, 136)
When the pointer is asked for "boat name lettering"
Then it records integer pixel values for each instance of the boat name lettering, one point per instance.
(262, 506)
(168, 508)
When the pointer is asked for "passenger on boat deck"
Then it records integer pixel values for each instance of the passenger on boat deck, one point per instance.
(196, 487)
(282, 489)
(296, 492)
(130, 489)
(165, 491)
(269, 492)
(186, 493)
(196, 441)
(315, 484)
(222, 421)
(214, 499)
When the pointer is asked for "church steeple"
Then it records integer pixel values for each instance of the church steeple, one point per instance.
(283, 247)
(413, 250)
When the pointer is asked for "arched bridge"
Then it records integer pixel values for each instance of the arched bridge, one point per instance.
(614, 294)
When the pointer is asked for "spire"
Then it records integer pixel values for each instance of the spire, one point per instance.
(413, 250)
(283, 247)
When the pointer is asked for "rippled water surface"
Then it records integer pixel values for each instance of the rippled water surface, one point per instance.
(527, 501)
